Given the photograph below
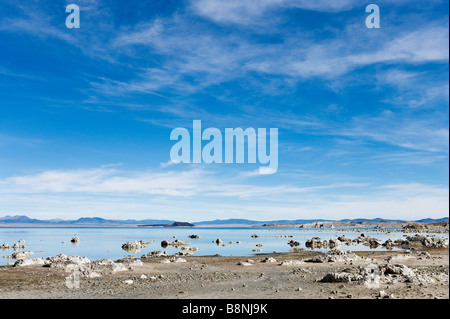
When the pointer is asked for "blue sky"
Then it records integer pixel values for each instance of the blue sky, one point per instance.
(86, 114)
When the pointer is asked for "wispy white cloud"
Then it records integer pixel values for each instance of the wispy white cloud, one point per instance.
(426, 134)
(250, 12)
(196, 58)
(414, 89)
(106, 181)
(187, 195)
(7, 139)
(330, 58)
(110, 180)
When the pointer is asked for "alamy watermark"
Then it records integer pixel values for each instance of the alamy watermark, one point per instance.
(73, 19)
(372, 20)
(73, 280)
(234, 140)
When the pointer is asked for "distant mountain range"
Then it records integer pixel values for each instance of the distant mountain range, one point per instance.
(88, 221)
(97, 221)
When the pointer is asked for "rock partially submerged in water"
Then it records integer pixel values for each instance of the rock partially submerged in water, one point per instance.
(428, 241)
(344, 239)
(374, 242)
(20, 255)
(314, 243)
(176, 243)
(317, 243)
(16, 246)
(293, 243)
(194, 236)
(332, 243)
(134, 246)
(184, 253)
(75, 240)
(389, 244)
(190, 248)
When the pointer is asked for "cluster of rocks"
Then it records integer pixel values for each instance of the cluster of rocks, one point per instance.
(284, 236)
(372, 242)
(134, 246)
(317, 243)
(293, 243)
(438, 228)
(173, 259)
(20, 255)
(58, 261)
(250, 262)
(427, 241)
(361, 239)
(317, 225)
(373, 275)
(426, 228)
(83, 265)
(177, 243)
(156, 253)
(16, 246)
(160, 253)
(269, 260)
(184, 253)
(336, 256)
(190, 248)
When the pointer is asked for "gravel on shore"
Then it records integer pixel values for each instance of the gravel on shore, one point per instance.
(299, 275)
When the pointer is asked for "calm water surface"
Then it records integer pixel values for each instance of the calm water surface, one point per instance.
(107, 242)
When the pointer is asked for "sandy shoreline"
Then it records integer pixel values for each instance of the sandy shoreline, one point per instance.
(212, 277)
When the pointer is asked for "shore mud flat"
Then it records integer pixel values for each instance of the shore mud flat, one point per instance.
(304, 274)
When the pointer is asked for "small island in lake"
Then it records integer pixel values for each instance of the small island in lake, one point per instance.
(175, 224)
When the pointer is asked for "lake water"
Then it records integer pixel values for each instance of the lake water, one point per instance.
(107, 242)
